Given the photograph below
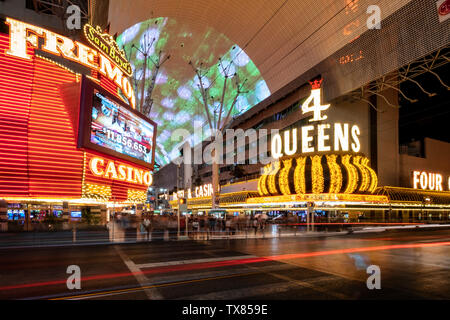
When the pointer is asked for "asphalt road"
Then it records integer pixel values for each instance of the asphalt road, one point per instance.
(413, 265)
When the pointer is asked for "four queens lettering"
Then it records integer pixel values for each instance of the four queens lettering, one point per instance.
(345, 137)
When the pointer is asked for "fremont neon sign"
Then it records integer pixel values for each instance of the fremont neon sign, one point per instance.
(22, 33)
(108, 169)
(345, 137)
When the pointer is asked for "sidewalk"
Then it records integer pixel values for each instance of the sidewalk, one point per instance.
(119, 235)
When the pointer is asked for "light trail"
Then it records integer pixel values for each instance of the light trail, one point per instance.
(208, 265)
(352, 223)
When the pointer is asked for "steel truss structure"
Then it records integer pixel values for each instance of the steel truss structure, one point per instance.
(59, 8)
(409, 72)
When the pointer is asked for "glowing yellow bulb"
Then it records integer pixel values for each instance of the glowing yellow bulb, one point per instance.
(272, 178)
(299, 175)
(335, 174)
(352, 174)
(317, 174)
(365, 176)
(284, 177)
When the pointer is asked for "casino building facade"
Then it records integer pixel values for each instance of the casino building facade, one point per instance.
(71, 141)
(347, 170)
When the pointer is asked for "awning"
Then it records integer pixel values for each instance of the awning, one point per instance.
(408, 195)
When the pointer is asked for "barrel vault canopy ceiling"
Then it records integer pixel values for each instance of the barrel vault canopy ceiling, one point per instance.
(283, 38)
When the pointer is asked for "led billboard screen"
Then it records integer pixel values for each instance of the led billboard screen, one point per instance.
(110, 126)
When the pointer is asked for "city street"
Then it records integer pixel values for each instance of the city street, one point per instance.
(413, 265)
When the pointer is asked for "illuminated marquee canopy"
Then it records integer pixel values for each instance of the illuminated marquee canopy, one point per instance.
(316, 174)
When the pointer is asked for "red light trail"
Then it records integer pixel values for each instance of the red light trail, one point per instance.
(208, 265)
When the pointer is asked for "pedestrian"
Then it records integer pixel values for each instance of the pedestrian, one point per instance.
(147, 227)
(255, 224)
(201, 225)
(195, 226)
(173, 228)
(228, 225)
(212, 224)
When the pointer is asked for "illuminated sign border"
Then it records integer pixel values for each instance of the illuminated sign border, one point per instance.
(85, 120)
(108, 46)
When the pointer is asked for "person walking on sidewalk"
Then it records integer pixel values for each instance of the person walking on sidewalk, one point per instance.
(255, 224)
(147, 227)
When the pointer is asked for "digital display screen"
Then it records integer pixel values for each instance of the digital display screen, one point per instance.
(16, 214)
(109, 126)
(57, 213)
(176, 95)
(116, 128)
(75, 214)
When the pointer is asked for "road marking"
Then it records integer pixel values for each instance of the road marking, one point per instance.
(130, 290)
(151, 293)
(243, 293)
(161, 280)
(306, 284)
(179, 262)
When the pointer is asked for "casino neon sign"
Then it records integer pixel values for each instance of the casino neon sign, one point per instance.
(22, 33)
(110, 170)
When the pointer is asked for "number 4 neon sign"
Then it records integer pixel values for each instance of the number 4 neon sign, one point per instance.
(316, 106)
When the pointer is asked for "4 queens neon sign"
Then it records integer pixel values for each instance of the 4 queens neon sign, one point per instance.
(345, 137)
(22, 33)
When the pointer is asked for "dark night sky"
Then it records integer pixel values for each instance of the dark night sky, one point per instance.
(428, 117)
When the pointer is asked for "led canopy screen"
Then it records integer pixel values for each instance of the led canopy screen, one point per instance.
(175, 88)
(109, 126)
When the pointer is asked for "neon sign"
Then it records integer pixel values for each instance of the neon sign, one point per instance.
(106, 44)
(108, 169)
(205, 190)
(429, 181)
(22, 33)
(345, 137)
